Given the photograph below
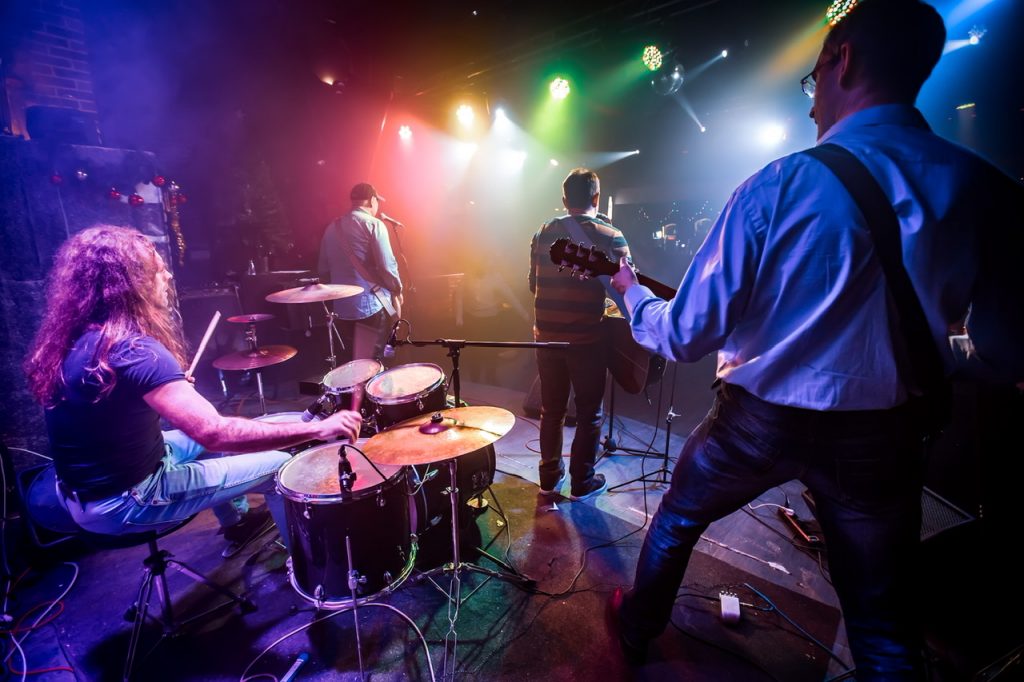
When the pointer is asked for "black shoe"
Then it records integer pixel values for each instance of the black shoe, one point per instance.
(549, 488)
(634, 649)
(591, 488)
(254, 524)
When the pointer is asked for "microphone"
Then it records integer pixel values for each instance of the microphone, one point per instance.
(389, 347)
(385, 216)
(316, 408)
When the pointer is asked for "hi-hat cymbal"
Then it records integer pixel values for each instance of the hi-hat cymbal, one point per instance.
(249, 359)
(250, 319)
(311, 293)
(439, 436)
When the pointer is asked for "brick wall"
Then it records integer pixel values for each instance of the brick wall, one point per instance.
(47, 60)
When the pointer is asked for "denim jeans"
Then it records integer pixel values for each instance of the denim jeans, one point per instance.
(183, 485)
(581, 367)
(865, 472)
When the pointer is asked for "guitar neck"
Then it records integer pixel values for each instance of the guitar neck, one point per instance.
(660, 290)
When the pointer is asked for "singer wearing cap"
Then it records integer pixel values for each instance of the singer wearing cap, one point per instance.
(356, 249)
(106, 365)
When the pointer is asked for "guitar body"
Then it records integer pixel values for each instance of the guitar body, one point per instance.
(632, 366)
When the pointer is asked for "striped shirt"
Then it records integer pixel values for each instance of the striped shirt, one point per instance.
(565, 308)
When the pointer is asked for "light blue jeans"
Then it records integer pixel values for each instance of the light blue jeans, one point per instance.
(184, 485)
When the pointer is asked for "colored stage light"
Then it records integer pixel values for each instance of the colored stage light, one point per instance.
(465, 115)
(976, 34)
(652, 57)
(405, 132)
(838, 10)
(559, 88)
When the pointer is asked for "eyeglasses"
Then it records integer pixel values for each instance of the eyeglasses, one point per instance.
(808, 84)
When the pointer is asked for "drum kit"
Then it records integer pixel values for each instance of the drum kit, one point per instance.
(256, 357)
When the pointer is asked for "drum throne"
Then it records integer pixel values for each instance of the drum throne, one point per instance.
(50, 524)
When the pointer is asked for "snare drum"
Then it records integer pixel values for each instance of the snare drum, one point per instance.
(377, 519)
(405, 392)
(284, 418)
(346, 384)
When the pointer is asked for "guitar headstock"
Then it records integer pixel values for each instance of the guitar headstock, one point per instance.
(586, 261)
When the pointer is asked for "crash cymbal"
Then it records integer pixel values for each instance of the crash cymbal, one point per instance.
(250, 319)
(439, 436)
(261, 357)
(311, 293)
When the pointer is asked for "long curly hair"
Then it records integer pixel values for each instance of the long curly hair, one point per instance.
(103, 278)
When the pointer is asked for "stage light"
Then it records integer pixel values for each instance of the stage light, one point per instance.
(553, 162)
(635, 152)
(703, 129)
(968, 105)
(652, 57)
(499, 115)
(559, 88)
(772, 134)
(976, 34)
(838, 10)
(668, 81)
(405, 132)
(465, 115)
(725, 53)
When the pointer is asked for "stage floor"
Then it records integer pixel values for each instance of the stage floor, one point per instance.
(576, 552)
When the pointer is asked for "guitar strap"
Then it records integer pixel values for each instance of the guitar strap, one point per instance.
(385, 300)
(576, 233)
(926, 369)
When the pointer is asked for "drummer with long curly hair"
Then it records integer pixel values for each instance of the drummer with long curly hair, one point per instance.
(107, 366)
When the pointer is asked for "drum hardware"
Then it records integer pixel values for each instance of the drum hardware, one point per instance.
(254, 358)
(355, 580)
(447, 435)
(315, 292)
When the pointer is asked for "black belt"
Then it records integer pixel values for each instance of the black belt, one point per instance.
(84, 496)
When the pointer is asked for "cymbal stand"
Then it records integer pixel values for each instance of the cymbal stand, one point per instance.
(250, 338)
(332, 332)
(354, 580)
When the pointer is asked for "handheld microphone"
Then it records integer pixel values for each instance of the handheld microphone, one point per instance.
(316, 408)
(389, 347)
(385, 216)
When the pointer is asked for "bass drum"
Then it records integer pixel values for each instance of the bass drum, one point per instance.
(405, 392)
(376, 519)
(288, 417)
(474, 472)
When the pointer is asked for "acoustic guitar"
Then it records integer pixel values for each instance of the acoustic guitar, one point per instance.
(632, 366)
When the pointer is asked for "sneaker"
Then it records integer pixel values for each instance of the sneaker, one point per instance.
(254, 524)
(555, 489)
(591, 488)
(634, 649)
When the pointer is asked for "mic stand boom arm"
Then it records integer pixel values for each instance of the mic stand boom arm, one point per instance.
(455, 347)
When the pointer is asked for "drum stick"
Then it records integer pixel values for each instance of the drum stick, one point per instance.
(202, 344)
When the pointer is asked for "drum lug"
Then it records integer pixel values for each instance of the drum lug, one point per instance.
(419, 404)
(305, 511)
(387, 577)
(380, 500)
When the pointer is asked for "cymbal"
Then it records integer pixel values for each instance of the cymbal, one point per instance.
(311, 293)
(250, 319)
(425, 439)
(263, 356)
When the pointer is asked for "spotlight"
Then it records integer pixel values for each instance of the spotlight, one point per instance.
(405, 132)
(725, 53)
(553, 162)
(976, 34)
(703, 129)
(668, 81)
(772, 134)
(499, 115)
(465, 115)
(652, 57)
(559, 88)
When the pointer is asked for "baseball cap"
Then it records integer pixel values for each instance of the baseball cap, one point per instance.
(363, 192)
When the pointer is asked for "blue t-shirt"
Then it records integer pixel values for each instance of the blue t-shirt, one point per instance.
(104, 447)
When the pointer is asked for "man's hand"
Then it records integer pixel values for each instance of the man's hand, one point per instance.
(343, 424)
(625, 277)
